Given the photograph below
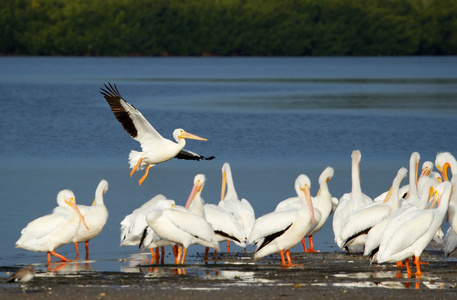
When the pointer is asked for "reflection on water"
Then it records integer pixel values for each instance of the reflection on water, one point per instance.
(382, 279)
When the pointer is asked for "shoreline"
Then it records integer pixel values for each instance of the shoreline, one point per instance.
(322, 275)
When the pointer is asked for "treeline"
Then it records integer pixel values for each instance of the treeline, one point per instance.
(228, 27)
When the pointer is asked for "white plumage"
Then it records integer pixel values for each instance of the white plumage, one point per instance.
(412, 236)
(351, 201)
(49, 232)
(95, 217)
(240, 209)
(156, 149)
(280, 231)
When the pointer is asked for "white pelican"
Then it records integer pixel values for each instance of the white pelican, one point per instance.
(95, 217)
(375, 234)
(135, 230)
(323, 206)
(241, 209)
(360, 221)
(283, 230)
(351, 201)
(443, 162)
(415, 233)
(182, 227)
(156, 149)
(49, 232)
(225, 225)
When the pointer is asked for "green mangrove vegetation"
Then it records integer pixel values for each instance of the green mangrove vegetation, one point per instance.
(228, 27)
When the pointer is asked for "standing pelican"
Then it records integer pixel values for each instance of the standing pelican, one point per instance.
(443, 162)
(351, 201)
(225, 225)
(388, 224)
(49, 232)
(156, 149)
(414, 234)
(182, 227)
(95, 217)
(322, 203)
(360, 221)
(135, 230)
(284, 229)
(241, 209)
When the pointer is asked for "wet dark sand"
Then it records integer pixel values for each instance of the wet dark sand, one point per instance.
(321, 275)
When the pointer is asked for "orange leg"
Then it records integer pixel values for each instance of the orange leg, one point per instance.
(77, 251)
(214, 255)
(228, 246)
(304, 245)
(175, 251)
(206, 253)
(163, 255)
(399, 264)
(145, 175)
(311, 245)
(184, 254)
(418, 265)
(49, 259)
(408, 269)
(136, 167)
(283, 261)
(153, 255)
(178, 255)
(87, 250)
(289, 260)
(63, 258)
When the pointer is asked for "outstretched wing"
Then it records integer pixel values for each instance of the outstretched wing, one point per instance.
(130, 118)
(189, 155)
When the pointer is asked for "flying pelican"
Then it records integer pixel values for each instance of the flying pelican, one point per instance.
(49, 232)
(156, 149)
(183, 227)
(95, 217)
(282, 230)
(351, 201)
(412, 236)
(135, 230)
(241, 209)
(360, 221)
(225, 225)
(322, 203)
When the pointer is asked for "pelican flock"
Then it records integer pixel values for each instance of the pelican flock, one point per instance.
(393, 227)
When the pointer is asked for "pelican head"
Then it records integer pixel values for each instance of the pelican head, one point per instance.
(303, 185)
(182, 134)
(199, 183)
(67, 197)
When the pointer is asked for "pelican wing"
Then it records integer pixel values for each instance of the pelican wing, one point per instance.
(362, 219)
(408, 233)
(271, 224)
(189, 155)
(42, 226)
(131, 119)
(191, 223)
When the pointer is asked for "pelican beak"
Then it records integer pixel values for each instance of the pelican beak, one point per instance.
(310, 202)
(73, 205)
(224, 185)
(389, 194)
(187, 135)
(95, 202)
(196, 188)
(425, 172)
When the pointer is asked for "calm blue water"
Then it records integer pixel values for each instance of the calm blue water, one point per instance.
(271, 118)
